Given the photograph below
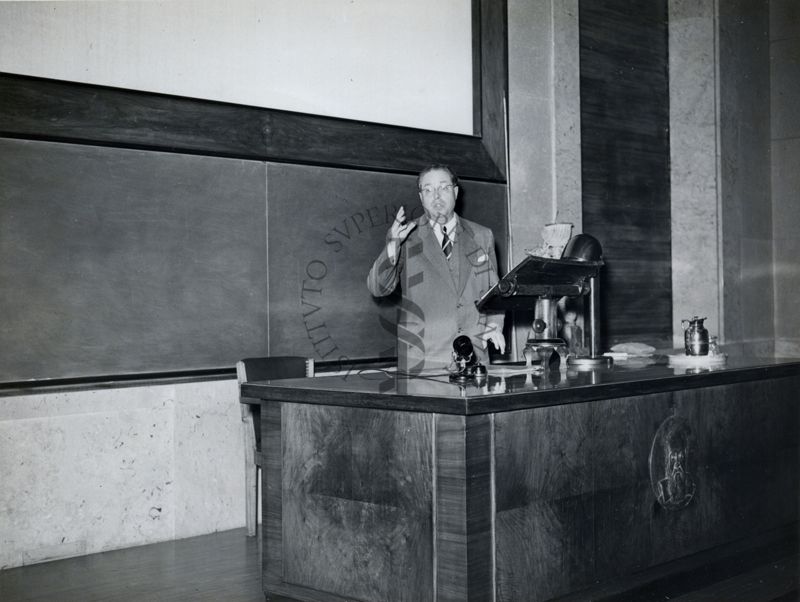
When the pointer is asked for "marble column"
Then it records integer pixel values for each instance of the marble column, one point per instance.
(544, 123)
(696, 226)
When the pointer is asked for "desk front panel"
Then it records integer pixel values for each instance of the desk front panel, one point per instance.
(379, 504)
(349, 508)
(594, 491)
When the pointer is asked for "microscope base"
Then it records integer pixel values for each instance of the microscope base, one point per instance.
(589, 362)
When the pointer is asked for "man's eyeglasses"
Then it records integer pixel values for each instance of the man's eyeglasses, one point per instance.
(429, 190)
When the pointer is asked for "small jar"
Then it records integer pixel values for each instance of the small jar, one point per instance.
(695, 336)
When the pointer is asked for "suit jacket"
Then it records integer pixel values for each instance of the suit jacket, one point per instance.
(438, 295)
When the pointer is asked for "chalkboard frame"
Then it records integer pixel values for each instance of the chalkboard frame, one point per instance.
(44, 109)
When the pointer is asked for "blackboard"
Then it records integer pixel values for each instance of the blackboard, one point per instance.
(118, 261)
(123, 262)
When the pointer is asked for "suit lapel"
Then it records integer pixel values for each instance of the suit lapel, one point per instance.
(465, 245)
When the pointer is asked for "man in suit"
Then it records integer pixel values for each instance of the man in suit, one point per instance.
(443, 263)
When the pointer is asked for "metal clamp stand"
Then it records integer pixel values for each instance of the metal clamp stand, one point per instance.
(594, 359)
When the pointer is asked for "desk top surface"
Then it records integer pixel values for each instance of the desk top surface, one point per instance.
(512, 387)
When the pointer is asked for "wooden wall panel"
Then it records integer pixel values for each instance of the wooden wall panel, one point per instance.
(626, 164)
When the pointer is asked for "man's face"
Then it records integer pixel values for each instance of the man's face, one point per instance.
(438, 195)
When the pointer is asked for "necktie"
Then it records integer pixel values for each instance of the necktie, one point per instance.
(447, 244)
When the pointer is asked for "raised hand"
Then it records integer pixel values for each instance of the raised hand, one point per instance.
(400, 228)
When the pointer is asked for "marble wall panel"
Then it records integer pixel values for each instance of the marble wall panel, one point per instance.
(567, 113)
(695, 225)
(532, 204)
(543, 125)
(84, 482)
(530, 187)
(209, 458)
(529, 123)
(544, 119)
(63, 403)
(89, 471)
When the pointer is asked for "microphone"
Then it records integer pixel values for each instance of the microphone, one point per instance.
(467, 364)
(463, 350)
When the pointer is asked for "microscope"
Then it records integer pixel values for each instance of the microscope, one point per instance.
(540, 283)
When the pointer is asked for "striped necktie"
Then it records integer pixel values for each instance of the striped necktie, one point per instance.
(447, 244)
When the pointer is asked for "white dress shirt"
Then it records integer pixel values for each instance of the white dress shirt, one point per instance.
(451, 230)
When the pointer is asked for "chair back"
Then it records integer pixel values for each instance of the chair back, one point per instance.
(254, 369)
(270, 368)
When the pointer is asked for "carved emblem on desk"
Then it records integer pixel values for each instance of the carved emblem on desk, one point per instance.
(671, 464)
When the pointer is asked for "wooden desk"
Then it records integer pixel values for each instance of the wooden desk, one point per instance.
(384, 488)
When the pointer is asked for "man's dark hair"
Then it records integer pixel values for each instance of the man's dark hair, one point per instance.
(437, 167)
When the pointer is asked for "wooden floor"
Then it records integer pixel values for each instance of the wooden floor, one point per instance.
(225, 567)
